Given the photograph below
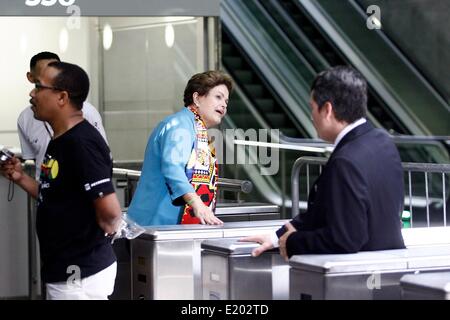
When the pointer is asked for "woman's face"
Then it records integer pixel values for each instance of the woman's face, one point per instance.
(212, 107)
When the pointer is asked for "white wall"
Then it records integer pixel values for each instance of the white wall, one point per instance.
(21, 38)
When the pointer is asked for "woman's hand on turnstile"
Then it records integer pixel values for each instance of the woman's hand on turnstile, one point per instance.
(203, 212)
(264, 240)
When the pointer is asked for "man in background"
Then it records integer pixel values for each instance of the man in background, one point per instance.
(34, 134)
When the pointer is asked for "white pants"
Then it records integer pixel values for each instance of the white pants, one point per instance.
(96, 287)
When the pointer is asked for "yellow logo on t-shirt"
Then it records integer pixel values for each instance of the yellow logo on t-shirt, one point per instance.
(50, 169)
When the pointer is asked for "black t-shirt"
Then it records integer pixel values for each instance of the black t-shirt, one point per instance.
(77, 169)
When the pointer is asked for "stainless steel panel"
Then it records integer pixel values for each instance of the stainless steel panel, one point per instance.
(348, 263)
(307, 285)
(236, 277)
(230, 246)
(242, 229)
(179, 232)
(230, 272)
(246, 208)
(215, 276)
(235, 217)
(251, 278)
(254, 224)
(166, 269)
(365, 275)
(433, 256)
(426, 286)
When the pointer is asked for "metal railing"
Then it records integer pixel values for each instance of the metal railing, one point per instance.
(410, 201)
(132, 176)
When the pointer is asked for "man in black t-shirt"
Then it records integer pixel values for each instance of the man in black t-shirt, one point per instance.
(77, 205)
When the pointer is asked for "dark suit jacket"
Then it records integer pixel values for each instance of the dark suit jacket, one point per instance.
(356, 203)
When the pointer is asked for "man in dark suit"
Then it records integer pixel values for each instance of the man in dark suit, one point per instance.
(356, 203)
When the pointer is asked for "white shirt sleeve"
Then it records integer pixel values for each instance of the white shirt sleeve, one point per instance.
(28, 151)
(274, 238)
(91, 114)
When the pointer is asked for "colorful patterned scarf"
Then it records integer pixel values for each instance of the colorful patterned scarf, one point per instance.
(201, 170)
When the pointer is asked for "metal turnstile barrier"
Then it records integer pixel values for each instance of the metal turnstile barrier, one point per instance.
(229, 272)
(362, 276)
(427, 286)
(166, 260)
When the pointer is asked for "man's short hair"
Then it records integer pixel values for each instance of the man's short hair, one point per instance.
(73, 79)
(45, 55)
(345, 88)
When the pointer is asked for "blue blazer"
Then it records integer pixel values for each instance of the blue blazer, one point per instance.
(163, 181)
(356, 203)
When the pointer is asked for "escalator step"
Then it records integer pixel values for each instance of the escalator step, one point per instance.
(233, 63)
(265, 105)
(236, 106)
(290, 132)
(255, 90)
(244, 121)
(330, 57)
(227, 49)
(319, 42)
(299, 19)
(307, 29)
(276, 120)
(243, 76)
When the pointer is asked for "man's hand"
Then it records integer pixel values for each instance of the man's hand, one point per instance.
(282, 241)
(264, 240)
(12, 169)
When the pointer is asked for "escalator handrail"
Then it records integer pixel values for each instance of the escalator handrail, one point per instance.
(382, 87)
(267, 58)
(404, 59)
(312, 49)
(435, 141)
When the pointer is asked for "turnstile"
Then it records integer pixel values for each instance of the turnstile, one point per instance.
(365, 275)
(427, 286)
(166, 260)
(229, 272)
(227, 212)
(247, 211)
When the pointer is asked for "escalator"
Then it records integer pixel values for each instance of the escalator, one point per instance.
(392, 76)
(280, 40)
(257, 91)
(322, 53)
